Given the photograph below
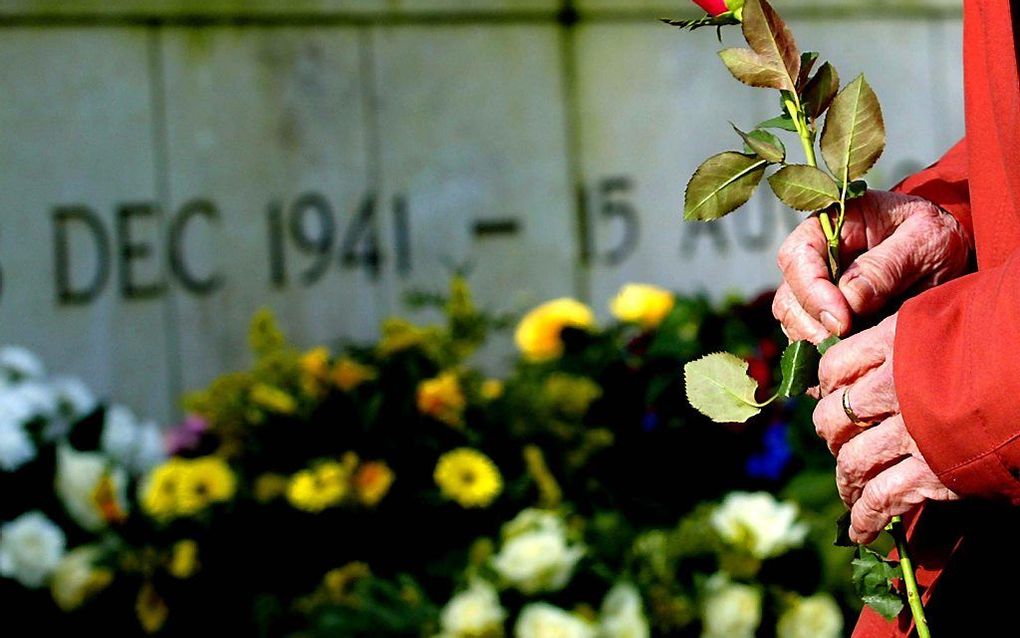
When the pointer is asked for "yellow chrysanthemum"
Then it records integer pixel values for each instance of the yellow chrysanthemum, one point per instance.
(324, 485)
(183, 559)
(468, 477)
(204, 481)
(491, 389)
(538, 333)
(442, 399)
(158, 491)
(372, 482)
(642, 304)
(348, 374)
(315, 371)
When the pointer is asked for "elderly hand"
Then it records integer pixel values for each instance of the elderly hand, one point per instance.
(896, 242)
(880, 472)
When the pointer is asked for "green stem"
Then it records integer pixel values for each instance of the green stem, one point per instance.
(907, 566)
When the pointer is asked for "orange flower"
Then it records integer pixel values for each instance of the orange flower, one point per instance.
(372, 482)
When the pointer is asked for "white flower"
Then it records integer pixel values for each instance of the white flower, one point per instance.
(77, 578)
(27, 401)
(536, 557)
(730, 610)
(20, 363)
(78, 477)
(138, 446)
(622, 614)
(542, 620)
(816, 616)
(76, 400)
(16, 447)
(31, 546)
(532, 520)
(473, 612)
(759, 523)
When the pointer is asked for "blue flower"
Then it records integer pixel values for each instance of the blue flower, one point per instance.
(775, 455)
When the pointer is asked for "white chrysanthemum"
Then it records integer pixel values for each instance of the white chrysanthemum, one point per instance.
(75, 398)
(137, 446)
(623, 614)
(730, 610)
(31, 546)
(816, 616)
(759, 523)
(77, 578)
(78, 476)
(536, 557)
(16, 447)
(542, 620)
(473, 612)
(20, 363)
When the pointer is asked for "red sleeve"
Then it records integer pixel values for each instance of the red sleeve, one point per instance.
(945, 184)
(957, 375)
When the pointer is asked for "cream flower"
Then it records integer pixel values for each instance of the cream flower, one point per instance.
(622, 614)
(759, 523)
(472, 613)
(816, 616)
(730, 610)
(31, 546)
(535, 556)
(78, 482)
(542, 620)
(77, 578)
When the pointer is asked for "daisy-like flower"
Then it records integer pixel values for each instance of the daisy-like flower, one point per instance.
(205, 481)
(442, 399)
(324, 485)
(468, 477)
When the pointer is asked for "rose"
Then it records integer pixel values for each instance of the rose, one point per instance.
(622, 614)
(536, 556)
(473, 612)
(730, 610)
(718, 7)
(31, 547)
(539, 620)
(758, 523)
(816, 616)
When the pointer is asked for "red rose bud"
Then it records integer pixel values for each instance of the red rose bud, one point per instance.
(713, 7)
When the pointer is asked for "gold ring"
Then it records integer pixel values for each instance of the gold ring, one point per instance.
(850, 414)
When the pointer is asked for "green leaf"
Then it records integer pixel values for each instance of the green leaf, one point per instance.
(754, 69)
(843, 531)
(769, 37)
(807, 62)
(722, 184)
(854, 135)
(799, 366)
(783, 122)
(872, 579)
(805, 188)
(820, 91)
(719, 387)
(856, 189)
(764, 144)
(824, 346)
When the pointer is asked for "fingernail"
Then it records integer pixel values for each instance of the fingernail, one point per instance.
(831, 324)
(861, 287)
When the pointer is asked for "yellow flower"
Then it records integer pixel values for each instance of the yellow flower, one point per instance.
(183, 559)
(204, 481)
(538, 333)
(468, 477)
(268, 487)
(442, 399)
(315, 371)
(151, 609)
(570, 394)
(491, 389)
(321, 486)
(349, 374)
(400, 334)
(273, 399)
(158, 491)
(372, 481)
(642, 304)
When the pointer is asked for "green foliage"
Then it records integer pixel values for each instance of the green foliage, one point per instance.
(722, 184)
(773, 60)
(873, 577)
(718, 386)
(799, 367)
(854, 135)
(804, 188)
(764, 144)
(820, 90)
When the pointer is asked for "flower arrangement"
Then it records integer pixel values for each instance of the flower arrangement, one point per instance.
(396, 489)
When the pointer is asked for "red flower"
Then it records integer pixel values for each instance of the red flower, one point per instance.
(713, 7)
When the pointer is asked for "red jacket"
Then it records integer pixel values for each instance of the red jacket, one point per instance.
(957, 359)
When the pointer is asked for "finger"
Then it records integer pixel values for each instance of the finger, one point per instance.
(803, 262)
(872, 398)
(865, 456)
(851, 358)
(797, 324)
(893, 492)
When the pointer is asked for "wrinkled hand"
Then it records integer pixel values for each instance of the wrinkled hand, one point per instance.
(891, 243)
(880, 472)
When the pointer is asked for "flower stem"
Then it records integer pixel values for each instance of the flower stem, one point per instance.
(907, 567)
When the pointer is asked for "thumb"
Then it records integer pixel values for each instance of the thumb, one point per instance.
(886, 270)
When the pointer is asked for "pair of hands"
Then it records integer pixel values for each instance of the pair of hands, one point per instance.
(894, 244)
